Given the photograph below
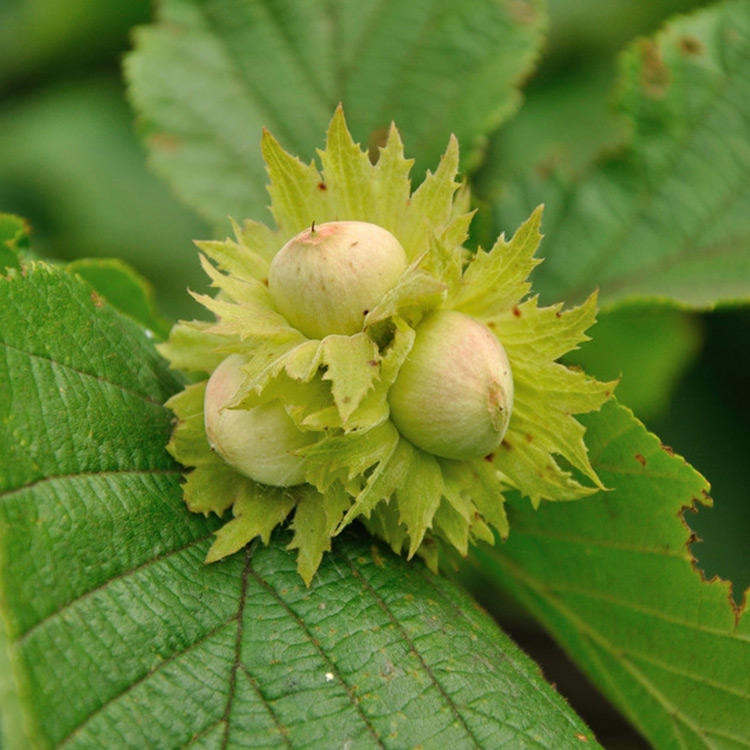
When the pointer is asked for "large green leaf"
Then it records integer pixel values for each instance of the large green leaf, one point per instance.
(667, 215)
(614, 580)
(433, 66)
(73, 167)
(115, 633)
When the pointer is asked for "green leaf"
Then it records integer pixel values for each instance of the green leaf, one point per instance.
(116, 632)
(433, 66)
(613, 578)
(125, 289)
(666, 217)
(73, 166)
(648, 347)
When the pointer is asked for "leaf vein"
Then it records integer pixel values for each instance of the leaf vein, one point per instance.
(23, 636)
(52, 361)
(331, 665)
(151, 672)
(412, 647)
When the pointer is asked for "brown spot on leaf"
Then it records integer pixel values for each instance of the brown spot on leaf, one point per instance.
(641, 459)
(489, 457)
(322, 186)
(522, 11)
(373, 363)
(517, 312)
(655, 75)
(97, 299)
(667, 449)
(690, 45)
(529, 438)
(582, 737)
(507, 445)
(265, 281)
(164, 141)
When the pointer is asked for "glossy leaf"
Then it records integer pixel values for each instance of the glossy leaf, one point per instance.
(433, 66)
(613, 579)
(666, 217)
(114, 632)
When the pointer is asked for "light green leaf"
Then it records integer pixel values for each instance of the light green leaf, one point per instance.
(101, 566)
(286, 66)
(483, 485)
(432, 202)
(346, 170)
(297, 190)
(614, 580)
(342, 457)
(497, 280)
(236, 259)
(352, 366)
(546, 396)
(125, 289)
(414, 293)
(419, 496)
(193, 348)
(257, 510)
(213, 487)
(667, 216)
(315, 519)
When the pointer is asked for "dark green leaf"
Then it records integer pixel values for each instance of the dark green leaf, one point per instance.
(613, 578)
(667, 216)
(433, 66)
(119, 635)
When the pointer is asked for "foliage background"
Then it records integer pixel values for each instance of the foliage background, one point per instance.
(71, 163)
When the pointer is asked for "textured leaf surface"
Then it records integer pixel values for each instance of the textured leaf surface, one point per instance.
(117, 633)
(667, 216)
(613, 579)
(433, 66)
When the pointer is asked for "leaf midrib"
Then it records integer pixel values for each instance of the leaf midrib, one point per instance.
(64, 365)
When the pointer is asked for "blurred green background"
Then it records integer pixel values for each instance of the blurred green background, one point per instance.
(71, 163)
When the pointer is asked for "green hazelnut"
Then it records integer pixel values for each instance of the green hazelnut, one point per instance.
(327, 278)
(258, 442)
(454, 393)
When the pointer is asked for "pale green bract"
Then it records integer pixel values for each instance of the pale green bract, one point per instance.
(336, 388)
